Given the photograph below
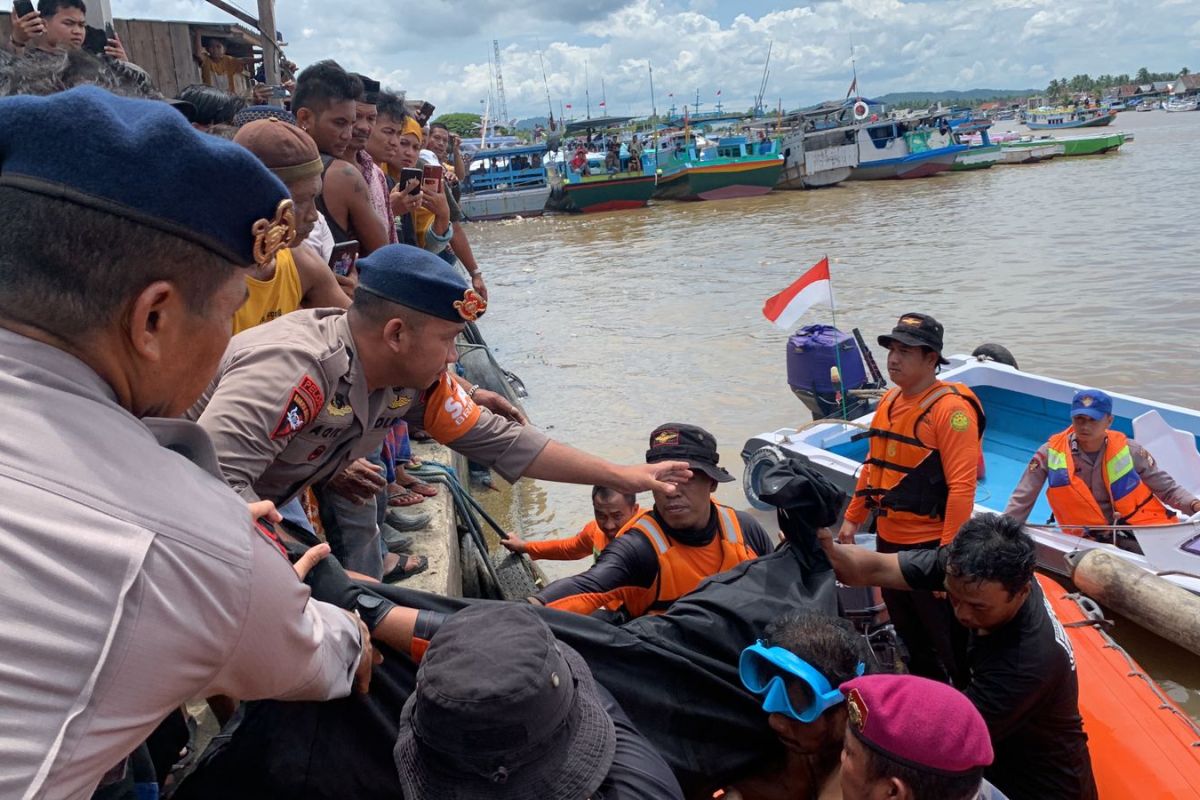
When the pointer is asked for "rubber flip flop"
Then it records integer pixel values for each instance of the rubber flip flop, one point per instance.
(400, 573)
(404, 497)
(421, 488)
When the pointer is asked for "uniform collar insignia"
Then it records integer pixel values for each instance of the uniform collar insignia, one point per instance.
(271, 236)
(471, 307)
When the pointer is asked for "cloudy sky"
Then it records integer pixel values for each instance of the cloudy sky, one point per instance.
(440, 50)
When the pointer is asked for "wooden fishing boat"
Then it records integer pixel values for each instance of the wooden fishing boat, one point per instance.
(891, 149)
(1141, 743)
(505, 182)
(1055, 118)
(1029, 151)
(1091, 144)
(729, 168)
(1177, 104)
(982, 156)
(1023, 411)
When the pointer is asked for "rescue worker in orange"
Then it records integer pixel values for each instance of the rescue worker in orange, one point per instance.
(666, 552)
(612, 510)
(1098, 476)
(919, 484)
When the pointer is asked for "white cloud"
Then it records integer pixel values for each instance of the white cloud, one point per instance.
(440, 50)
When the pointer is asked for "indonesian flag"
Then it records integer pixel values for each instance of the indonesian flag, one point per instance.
(568, 105)
(718, 92)
(602, 104)
(785, 308)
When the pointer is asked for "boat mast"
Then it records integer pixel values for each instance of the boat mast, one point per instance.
(587, 90)
(762, 85)
(545, 83)
(653, 105)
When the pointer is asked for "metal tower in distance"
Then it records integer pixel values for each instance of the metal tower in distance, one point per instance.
(503, 106)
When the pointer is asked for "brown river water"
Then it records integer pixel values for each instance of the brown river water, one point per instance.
(1086, 268)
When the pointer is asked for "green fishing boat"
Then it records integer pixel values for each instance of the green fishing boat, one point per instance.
(1091, 145)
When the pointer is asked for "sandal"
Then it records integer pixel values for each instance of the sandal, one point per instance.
(400, 573)
(420, 487)
(401, 496)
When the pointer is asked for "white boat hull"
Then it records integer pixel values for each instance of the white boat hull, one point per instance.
(505, 204)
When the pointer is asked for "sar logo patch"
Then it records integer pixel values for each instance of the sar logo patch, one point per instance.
(666, 437)
(399, 402)
(959, 421)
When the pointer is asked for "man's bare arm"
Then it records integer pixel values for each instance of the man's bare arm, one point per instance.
(858, 566)
(348, 200)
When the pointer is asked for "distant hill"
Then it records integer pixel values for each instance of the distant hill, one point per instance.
(531, 123)
(951, 98)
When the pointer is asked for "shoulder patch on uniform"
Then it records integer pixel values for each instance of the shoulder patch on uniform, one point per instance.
(1034, 466)
(959, 421)
(302, 407)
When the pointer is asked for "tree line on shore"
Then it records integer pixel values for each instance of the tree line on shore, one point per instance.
(1061, 87)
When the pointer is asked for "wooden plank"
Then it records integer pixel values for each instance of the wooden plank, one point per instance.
(5, 26)
(139, 47)
(164, 64)
(186, 70)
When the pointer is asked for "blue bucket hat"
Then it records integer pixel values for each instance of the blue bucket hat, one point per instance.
(140, 160)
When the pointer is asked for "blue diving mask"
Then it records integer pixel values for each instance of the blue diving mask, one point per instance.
(763, 671)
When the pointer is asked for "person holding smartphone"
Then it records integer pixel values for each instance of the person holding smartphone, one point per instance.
(57, 25)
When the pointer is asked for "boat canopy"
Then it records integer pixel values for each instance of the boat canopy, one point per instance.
(595, 124)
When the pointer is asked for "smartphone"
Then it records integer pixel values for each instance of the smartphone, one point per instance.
(407, 174)
(94, 41)
(110, 31)
(278, 91)
(23, 8)
(344, 257)
(426, 112)
(431, 176)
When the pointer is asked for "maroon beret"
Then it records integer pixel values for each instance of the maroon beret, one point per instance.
(923, 724)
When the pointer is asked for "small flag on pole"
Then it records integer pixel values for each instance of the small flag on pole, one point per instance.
(813, 287)
(853, 87)
(602, 104)
(568, 105)
(718, 92)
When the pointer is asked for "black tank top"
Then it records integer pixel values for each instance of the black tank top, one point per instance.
(340, 234)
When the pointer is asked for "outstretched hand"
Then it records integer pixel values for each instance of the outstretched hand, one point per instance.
(661, 476)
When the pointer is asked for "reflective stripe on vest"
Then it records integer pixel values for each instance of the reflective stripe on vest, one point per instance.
(1072, 500)
(677, 574)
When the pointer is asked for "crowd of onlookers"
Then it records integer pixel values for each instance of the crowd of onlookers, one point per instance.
(332, 167)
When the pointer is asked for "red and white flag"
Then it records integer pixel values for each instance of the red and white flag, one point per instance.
(785, 308)
(602, 104)
(568, 105)
(718, 92)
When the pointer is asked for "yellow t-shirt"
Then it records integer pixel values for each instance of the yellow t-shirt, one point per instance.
(227, 67)
(270, 299)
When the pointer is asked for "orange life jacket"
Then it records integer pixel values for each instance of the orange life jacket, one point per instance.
(1072, 501)
(906, 480)
(678, 570)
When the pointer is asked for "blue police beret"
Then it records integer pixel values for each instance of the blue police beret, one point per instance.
(141, 160)
(419, 280)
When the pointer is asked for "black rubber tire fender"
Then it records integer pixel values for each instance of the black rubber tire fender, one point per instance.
(759, 461)
(990, 351)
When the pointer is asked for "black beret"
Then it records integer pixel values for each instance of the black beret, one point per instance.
(141, 160)
(417, 279)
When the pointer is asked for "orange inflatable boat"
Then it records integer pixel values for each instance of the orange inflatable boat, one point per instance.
(1142, 744)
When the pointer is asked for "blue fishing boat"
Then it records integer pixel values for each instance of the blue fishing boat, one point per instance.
(915, 147)
(1023, 410)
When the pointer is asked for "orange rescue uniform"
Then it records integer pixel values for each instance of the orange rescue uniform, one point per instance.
(944, 423)
(588, 542)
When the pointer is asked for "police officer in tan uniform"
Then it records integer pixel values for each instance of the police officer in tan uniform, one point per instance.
(298, 401)
(132, 578)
